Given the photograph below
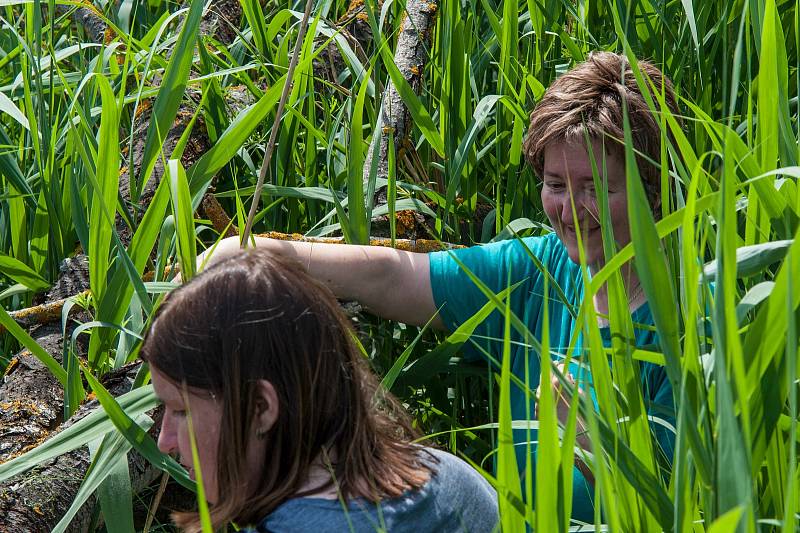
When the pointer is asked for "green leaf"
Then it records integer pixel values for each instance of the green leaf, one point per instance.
(357, 217)
(104, 197)
(751, 260)
(170, 94)
(507, 472)
(108, 468)
(9, 108)
(388, 380)
(727, 522)
(139, 439)
(184, 219)
(22, 273)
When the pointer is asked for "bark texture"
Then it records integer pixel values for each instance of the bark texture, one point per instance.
(410, 57)
(31, 399)
(87, 18)
(36, 500)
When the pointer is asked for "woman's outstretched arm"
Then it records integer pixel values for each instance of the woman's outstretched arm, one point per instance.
(390, 283)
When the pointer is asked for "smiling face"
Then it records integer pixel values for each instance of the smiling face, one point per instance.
(568, 173)
(174, 437)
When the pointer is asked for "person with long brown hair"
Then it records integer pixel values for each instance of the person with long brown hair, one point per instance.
(292, 430)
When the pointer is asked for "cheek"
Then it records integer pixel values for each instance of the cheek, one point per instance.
(618, 206)
(550, 205)
(184, 443)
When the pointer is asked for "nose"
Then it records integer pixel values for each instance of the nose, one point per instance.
(573, 198)
(584, 206)
(167, 437)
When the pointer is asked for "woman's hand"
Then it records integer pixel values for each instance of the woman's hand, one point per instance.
(562, 404)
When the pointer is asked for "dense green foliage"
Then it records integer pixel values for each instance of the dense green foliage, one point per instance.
(67, 109)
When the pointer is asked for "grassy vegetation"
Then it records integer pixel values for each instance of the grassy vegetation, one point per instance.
(719, 267)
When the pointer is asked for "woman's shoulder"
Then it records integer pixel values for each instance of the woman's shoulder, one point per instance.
(455, 498)
(449, 470)
(459, 497)
(547, 249)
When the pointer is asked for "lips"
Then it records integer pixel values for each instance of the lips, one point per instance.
(189, 469)
(570, 230)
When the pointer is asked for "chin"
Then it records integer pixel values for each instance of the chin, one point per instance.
(592, 259)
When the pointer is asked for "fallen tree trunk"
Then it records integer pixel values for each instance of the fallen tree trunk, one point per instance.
(88, 18)
(31, 398)
(37, 499)
(411, 56)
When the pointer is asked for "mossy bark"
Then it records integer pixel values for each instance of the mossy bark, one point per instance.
(411, 57)
(31, 399)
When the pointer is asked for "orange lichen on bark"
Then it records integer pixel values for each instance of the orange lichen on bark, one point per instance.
(25, 449)
(37, 314)
(408, 245)
(218, 217)
(143, 106)
(16, 406)
(405, 221)
(109, 35)
(354, 5)
(11, 366)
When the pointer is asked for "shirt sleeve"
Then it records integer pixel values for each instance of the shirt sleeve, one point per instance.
(498, 266)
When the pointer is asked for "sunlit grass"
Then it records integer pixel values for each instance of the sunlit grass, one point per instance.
(729, 335)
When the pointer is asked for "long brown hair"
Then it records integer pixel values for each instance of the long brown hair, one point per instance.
(258, 316)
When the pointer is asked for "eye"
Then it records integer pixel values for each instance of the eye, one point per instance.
(554, 185)
(179, 413)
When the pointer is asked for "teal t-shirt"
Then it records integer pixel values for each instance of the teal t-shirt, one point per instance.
(505, 263)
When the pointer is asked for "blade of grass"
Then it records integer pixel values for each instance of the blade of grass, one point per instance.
(104, 196)
(139, 439)
(184, 219)
(170, 94)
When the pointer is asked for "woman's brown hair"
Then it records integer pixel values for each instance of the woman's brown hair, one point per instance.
(261, 317)
(587, 100)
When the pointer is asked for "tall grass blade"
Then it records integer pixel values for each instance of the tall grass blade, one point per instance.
(170, 94)
(183, 215)
(104, 195)
(507, 472)
(135, 435)
(22, 273)
(109, 460)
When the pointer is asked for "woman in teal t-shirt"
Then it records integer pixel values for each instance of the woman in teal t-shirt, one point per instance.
(585, 103)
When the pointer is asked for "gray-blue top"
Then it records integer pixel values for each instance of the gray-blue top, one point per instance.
(456, 498)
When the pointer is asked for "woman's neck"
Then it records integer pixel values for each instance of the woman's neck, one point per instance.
(319, 475)
(633, 289)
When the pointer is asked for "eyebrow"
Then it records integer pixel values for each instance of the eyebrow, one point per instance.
(559, 176)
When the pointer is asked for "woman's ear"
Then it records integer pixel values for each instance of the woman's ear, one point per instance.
(267, 407)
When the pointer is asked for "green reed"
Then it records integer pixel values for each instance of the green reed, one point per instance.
(717, 265)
